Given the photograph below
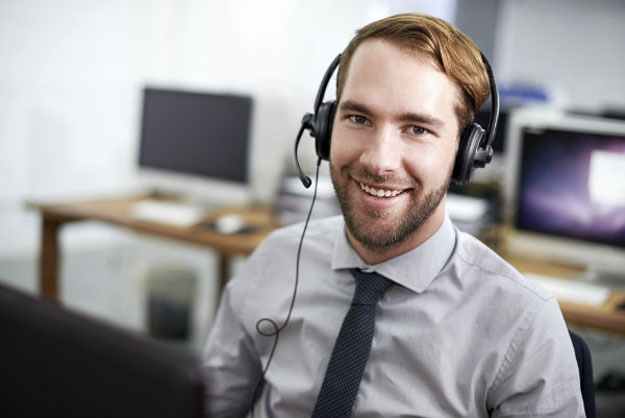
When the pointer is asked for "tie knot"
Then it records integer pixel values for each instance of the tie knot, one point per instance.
(369, 287)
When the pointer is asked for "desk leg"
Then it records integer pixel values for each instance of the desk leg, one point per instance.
(224, 274)
(49, 259)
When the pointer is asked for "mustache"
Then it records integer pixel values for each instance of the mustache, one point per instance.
(363, 175)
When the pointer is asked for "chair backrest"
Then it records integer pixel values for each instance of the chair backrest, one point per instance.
(584, 364)
(58, 363)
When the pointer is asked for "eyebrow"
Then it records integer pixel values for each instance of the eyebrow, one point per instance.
(352, 106)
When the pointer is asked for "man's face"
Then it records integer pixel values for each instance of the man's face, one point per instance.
(394, 142)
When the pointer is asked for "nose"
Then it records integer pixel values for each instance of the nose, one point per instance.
(382, 153)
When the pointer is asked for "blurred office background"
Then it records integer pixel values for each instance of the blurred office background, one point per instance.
(71, 84)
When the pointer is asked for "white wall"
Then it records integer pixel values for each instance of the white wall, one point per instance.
(72, 72)
(575, 46)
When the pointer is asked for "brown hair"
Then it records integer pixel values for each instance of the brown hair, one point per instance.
(451, 51)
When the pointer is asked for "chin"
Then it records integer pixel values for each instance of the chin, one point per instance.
(382, 230)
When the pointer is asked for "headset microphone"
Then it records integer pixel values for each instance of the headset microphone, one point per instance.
(318, 124)
(306, 181)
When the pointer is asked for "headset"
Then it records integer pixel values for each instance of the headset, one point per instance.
(474, 150)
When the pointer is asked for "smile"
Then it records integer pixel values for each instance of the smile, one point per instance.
(379, 192)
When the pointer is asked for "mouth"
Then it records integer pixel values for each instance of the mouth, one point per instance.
(380, 191)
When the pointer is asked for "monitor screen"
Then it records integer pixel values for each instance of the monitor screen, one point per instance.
(198, 134)
(565, 194)
(58, 363)
(572, 184)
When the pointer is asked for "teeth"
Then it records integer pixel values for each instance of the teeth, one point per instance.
(379, 192)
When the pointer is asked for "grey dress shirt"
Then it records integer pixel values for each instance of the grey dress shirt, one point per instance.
(461, 334)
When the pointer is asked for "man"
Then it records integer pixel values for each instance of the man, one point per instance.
(458, 332)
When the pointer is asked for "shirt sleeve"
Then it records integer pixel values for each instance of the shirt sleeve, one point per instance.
(230, 363)
(539, 375)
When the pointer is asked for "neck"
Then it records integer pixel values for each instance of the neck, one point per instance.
(373, 256)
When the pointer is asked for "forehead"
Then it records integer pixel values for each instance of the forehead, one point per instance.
(399, 79)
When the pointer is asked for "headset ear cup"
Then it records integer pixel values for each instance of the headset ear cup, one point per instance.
(467, 149)
(323, 129)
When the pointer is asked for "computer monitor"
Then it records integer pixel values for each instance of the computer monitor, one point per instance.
(566, 190)
(196, 144)
(57, 363)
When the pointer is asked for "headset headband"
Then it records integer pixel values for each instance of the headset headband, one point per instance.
(324, 82)
(494, 109)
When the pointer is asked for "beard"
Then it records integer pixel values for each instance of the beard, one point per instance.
(379, 230)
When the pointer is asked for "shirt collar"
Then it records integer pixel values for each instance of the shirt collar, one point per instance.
(414, 270)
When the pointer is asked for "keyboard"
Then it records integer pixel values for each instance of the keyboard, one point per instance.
(572, 290)
(170, 213)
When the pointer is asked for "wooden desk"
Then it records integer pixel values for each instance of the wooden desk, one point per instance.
(605, 317)
(118, 211)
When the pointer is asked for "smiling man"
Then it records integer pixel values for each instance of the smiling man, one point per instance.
(398, 313)
(396, 136)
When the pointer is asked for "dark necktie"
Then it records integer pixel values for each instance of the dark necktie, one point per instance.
(351, 349)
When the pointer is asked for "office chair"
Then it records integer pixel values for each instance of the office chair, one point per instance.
(584, 364)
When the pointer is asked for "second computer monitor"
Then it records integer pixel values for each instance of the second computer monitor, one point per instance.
(196, 143)
(567, 189)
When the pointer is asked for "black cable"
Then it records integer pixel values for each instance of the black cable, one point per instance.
(277, 330)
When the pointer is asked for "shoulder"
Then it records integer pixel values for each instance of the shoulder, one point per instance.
(281, 246)
(266, 278)
(492, 272)
(475, 255)
(508, 298)
(526, 319)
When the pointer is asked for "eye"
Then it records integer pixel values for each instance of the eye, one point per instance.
(417, 130)
(359, 120)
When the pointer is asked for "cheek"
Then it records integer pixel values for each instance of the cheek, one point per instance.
(334, 143)
(430, 165)
(342, 150)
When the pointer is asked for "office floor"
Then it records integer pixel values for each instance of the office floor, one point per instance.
(112, 283)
